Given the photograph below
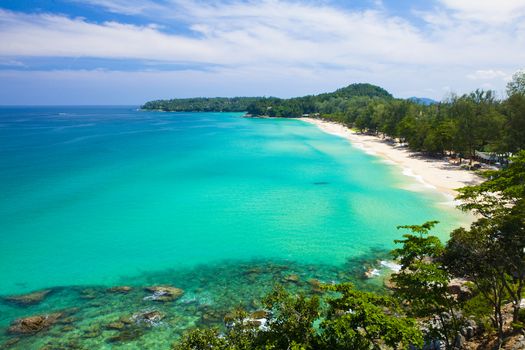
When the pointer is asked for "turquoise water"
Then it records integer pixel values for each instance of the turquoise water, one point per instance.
(92, 197)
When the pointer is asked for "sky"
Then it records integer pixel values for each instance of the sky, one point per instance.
(126, 52)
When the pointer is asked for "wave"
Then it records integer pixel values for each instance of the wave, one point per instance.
(391, 265)
(408, 172)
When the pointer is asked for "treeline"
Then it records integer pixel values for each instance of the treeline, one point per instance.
(272, 106)
(340, 100)
(460, 125)
(424, 309)
(201, 104)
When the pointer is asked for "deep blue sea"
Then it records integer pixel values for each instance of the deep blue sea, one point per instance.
(216, 204)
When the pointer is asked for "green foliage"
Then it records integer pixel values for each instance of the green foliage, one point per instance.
(360, 320)
(514, 126)
(517, 84)
(500, 193)
(292, 323)
(422, 283)
(476, 255)
(350, 320)
(203, 104)
(417, 247)
(274, 107)
(201, 339)
(477, 306)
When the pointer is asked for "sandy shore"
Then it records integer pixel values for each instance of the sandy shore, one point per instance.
(437, 174)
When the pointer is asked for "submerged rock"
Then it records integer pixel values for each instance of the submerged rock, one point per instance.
(149, 318)
(116, 326)
(67, 328)
(293, 278)
(28, 299)
(211, 316)
(120, 289)
(92, 332)
(33, 324)
(164, 293)
(126, 320)
(126, 335)
(316, 285)
(253, 271)
(9, 343)
(89, 293)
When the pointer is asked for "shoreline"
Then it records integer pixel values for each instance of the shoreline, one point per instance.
(435, 174)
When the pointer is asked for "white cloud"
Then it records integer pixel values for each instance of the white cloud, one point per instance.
(126, 7)
(488, 11)
(271, 39)
(488, 74)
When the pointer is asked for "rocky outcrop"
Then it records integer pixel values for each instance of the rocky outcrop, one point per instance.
(388, 283)
(28, 299)
(148, 318)
(33, 324)
(164, 293)
(458, 287)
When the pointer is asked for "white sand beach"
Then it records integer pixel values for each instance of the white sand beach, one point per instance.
(437, 174)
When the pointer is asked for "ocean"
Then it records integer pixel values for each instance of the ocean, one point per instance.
(216, 204)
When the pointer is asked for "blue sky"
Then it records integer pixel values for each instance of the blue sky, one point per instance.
(130, 51)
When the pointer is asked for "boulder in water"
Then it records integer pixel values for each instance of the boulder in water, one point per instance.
(126, 335)
(28, 299)
(120, 289)
(33, 324)
(293, 278)
(150, 317)
(316, 285)
(116, 326)
(9, 343)
(164, 293)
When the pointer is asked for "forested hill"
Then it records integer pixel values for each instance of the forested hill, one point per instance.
(273, 106)
(461, 125)
(202, 104)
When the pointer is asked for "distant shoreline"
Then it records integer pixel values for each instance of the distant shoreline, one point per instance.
(435, 174)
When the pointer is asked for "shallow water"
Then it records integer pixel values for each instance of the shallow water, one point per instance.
(216, 204)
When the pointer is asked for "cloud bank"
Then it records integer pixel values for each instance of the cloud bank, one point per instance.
(233, 47)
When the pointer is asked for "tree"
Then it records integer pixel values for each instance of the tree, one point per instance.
(360, 320)
(502, 191)
(513, 138)
(492, 253)
(292, 323)
(470, 254)
(422, 283)
(350, 320)
(202, 339)
(517, 84)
